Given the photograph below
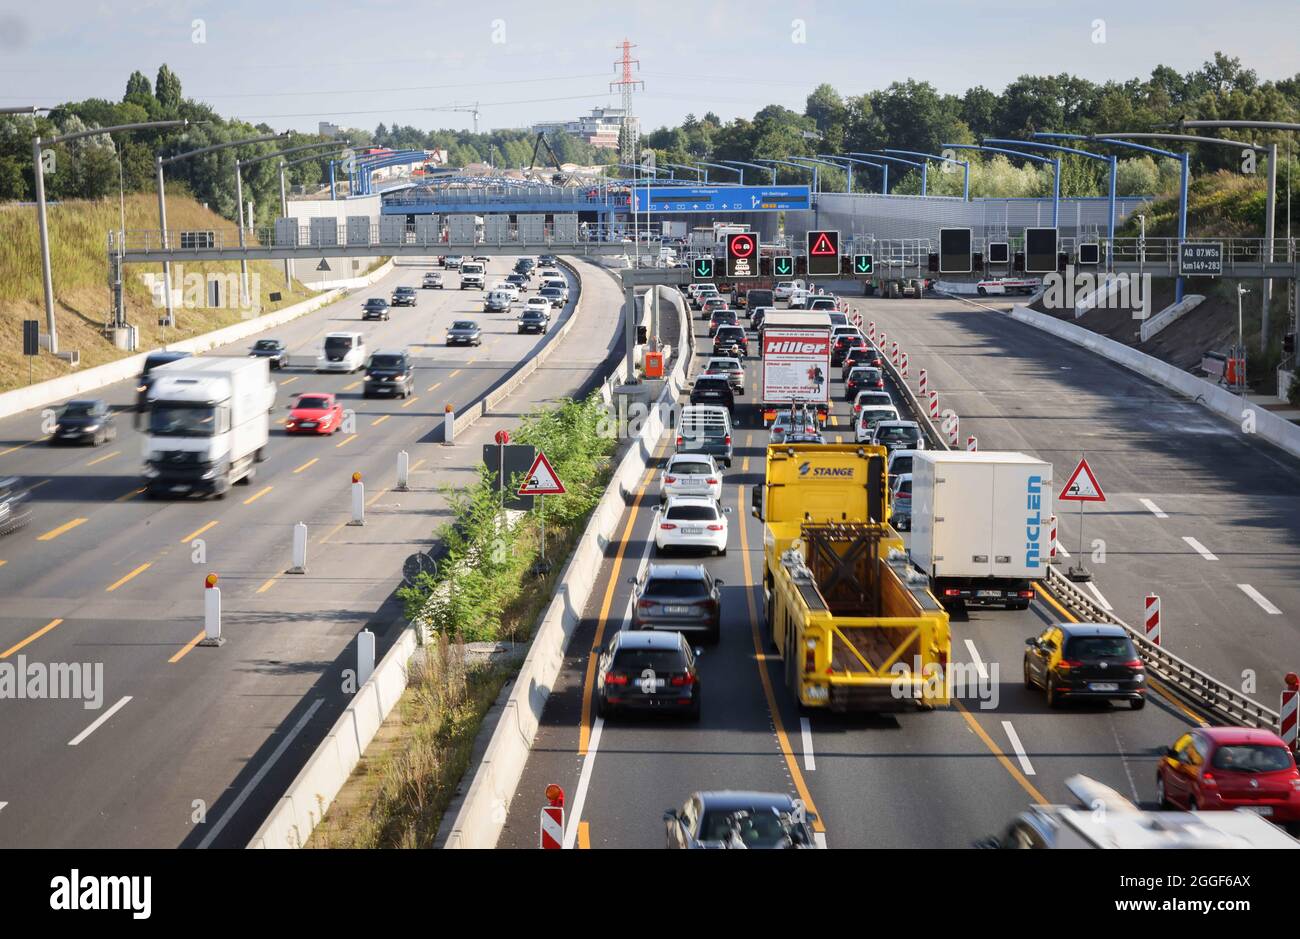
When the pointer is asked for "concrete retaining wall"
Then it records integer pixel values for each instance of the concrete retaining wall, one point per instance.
(78, 383)
(1219, 400)
(1169, 314)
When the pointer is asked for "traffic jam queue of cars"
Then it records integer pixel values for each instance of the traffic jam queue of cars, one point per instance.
(676, 601)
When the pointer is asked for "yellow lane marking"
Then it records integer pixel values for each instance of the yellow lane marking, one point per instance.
(434, 387)
(38, 485)
(129, 495)
(106, 456)
(120, 581)
(21, 445)
(30, 639)
(65, 527)
(452, 375)
(835, 421)
(468, 364)
(255, 497)
(410, 401)
(761, 657)
(307, 464)
(1010, 767)
(584, 836)
(416, 465)
(355, 384)
(589, 683)
(3, 563)
(198, 531)
(744, 465)
(332, 532)
(345, 442)
(378, 421)
(290, 381)
(375, 498)
(1155, 685)
(185, 650)
(266, 586)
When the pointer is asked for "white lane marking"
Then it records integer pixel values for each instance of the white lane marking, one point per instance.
(1199, 548)
(1102, 601)
(1026, 767)
(1259, 598)
(819, 839)
(593, 745)
(1060, 549)
(809, 760)
(261, 773)
(975, 657)
(99, 722)
(1153, 508)
(2, 806)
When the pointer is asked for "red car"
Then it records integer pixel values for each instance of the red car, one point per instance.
(314, 414)
(1229, 768)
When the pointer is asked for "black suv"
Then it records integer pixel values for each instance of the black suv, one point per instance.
(714, 389)
(376, 308)
(647, 672)
(1070, 661)
(533, 321)
(679, 597)
(404, 296)
(389, 373)
(731, 341)
(151, 362)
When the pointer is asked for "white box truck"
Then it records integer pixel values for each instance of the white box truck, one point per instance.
(208, 423)
(796, 369)
(980, 524)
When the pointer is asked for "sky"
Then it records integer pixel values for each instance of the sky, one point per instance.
(291, 64)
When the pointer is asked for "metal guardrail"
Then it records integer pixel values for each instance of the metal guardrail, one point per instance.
(1216, 698)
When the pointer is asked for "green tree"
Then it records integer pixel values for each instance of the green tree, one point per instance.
(137, 85)
(167, 89)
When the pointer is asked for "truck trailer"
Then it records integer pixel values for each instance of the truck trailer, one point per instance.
(980, 524)
(208, 424)
(856, 625)
(796, 368)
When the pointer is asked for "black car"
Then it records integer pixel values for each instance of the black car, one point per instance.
(862, 355)
(546, 260)
(518, 280)
(740, 820)
(680, 597)
(554, 294)
(721, 318)
(845, 343)
(714, 389)
(272, 349)
(376, 308)
(389, 373)
(647, 671)
(15, 504)
(152, 361)
(533, 321)
(862, 378)
(404, 296)
(1070, 661)
(731, 341)
(86, 421)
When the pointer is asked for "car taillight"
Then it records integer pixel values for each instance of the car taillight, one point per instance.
(715, 527)
(711, 481)
(727, 440)
(645, 604)
(1025, 594)
(679, 440)
(857, 408)
(667, 526)
(682, 681)
(616, 678)
(952, 592)
(1068, 664)
(1132, 663)
(908, 495)
(810, 660)
(1295, 782)
(1209, 780)
(672, 479)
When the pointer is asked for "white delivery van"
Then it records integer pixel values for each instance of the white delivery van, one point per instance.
(341, 352)
(472, 275)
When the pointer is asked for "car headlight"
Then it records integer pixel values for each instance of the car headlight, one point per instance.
(91, 427)
(210, 474)
(370, 378)
(150, 473)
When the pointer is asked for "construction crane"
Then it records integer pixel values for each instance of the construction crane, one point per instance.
(558, 177)
(467, 109)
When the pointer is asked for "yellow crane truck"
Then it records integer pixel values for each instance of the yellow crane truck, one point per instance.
(855, 623)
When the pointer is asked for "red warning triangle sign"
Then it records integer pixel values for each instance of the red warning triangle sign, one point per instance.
(541, 479)
(1082, 486)
(822, 245)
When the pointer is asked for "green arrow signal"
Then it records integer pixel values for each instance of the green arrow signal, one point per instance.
(784, 265)
(704, 268)
(864, 264)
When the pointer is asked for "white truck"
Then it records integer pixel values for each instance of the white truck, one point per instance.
(980, 525)
(796, 369)
(208, 423)
(472, 275)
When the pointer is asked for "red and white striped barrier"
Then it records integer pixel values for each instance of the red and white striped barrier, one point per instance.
(857, 319)
(552, 827)
(893, 352)
(884, 338)
(1152, 619)
(934, 405)
(972, 443)
(1288, 724)
(954, 431)
(871, 331)
(903, 367)
(1051, 524)
(925, 379)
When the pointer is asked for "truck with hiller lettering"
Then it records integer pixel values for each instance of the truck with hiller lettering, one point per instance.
(981, 525)
(796, 368)
(856, 625)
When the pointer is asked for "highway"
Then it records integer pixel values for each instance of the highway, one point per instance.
(936, 779)
(191, 745)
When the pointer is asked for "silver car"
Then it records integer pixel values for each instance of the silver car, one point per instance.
(464, 333)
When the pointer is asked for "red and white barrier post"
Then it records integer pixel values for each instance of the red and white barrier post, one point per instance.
(972, 443)
(1152, 618)
(1051, 524)
(925, 380)
(1288, 724)
(871, 331)
(934, 405)
(552, 827)
(893, 351)
(903, 367)
(954, 431)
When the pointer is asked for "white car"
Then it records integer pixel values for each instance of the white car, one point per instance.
(867, 419)
(691, 522)
(539, 305)
(690, 474)
(506, 287)
(784, 289)
(798, 299)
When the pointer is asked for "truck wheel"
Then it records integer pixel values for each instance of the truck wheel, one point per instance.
(260, 455)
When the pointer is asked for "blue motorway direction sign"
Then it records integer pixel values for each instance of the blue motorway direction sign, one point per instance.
(720, 198)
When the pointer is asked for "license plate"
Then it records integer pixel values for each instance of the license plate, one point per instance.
(1259, 809)
(1102, 686)
(989, 593)
(307, 424)
(692, 481)
(692, 531)
(676, 610)
(180, 488)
